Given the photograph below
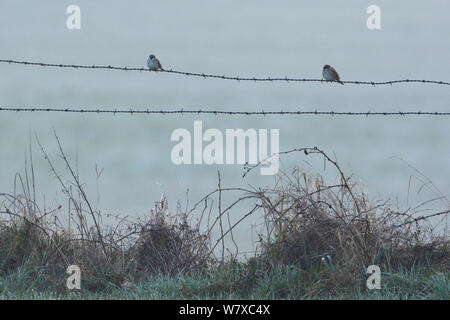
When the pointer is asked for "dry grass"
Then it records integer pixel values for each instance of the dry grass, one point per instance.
(310, 224)
(108, 254)
(333, 231)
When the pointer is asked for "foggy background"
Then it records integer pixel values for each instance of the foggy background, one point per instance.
(254, 38)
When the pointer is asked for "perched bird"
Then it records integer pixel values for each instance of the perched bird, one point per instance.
(330, 74)
(153, 63)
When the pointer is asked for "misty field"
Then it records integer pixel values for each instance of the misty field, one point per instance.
(317, 241)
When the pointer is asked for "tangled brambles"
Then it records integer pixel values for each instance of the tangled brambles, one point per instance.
(312, 232)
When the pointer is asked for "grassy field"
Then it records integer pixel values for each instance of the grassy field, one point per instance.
(238, 281)
(317, 241)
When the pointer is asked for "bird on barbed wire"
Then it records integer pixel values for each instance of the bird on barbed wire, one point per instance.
(330, 74)
(153, 63)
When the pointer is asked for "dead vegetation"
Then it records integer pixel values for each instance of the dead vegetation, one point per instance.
(307, 223)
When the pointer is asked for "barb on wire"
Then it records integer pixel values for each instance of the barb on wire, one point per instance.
(219, 112)
(223, 77)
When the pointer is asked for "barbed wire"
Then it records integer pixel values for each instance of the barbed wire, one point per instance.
(223, 77)
(219, 112)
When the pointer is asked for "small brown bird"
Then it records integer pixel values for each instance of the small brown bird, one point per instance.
(153, 63)
(330, 74)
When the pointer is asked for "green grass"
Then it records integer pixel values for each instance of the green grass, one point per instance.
(237, 281)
